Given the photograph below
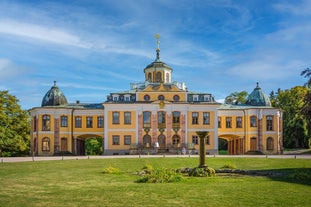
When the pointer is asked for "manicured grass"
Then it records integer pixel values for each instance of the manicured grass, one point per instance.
(82, 183)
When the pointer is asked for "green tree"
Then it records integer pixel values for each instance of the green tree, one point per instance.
(14, 127)
(94, 146)
(307, 74)
(237, 98)
(291, 102)
(306, 109)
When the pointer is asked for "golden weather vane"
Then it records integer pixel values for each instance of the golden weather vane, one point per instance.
(157, 36)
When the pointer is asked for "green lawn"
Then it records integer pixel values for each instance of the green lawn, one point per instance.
(82, 183)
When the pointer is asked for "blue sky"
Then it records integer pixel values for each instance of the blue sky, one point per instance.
(92, 48)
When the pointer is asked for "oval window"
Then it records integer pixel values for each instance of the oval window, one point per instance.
(176, 98)
(161, 97)
(147, 98)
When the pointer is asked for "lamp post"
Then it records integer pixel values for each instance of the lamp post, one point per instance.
(202, 135)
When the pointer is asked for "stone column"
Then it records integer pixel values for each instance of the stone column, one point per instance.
(202, 135)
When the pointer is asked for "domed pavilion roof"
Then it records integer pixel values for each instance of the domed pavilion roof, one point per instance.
(258, 98)
(54, 97)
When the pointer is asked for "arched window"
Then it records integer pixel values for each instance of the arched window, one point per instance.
(158, 77)
(46, 125)
(162, 141)
(147, 140)
(46, 144)
(167, 78)
(270, 143)
(176, 140)
(149, 77)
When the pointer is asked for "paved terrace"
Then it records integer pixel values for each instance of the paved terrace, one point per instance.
(34, 159)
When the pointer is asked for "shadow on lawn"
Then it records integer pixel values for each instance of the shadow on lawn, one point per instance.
(291, 175)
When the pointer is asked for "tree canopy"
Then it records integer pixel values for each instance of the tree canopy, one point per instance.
(237, 98)
(14, 127)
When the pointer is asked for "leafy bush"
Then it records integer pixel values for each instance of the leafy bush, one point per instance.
(202, 172)
(148, 168)
(111, 170)
(161, 176)
(229, 166)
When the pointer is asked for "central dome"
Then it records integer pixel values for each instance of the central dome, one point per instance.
(54, 97)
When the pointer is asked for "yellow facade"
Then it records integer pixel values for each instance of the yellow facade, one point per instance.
(155, 116)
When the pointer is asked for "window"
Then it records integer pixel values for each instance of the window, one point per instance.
(207, 98)
(167, 77)
(100, 122)
(158, 77)
(176, 140)
(207, 140)
(89, 122)
(219, 122)
(78, 122)
(46, 123)
(270, 143)
(228, 122)
(160, 97)
(64, 121)
(269, 122)
(195, 139)
(34, 123)
(115, 139)
(45, 144)
(127, 117)
(238, 122)
(161, 119)
(147, 98)
(206, 118)
(115, 117)
(253, 120)
(149, 77)
(127, 140)
(195, 118)
(176, 98)
(176, 118)
(147, 119)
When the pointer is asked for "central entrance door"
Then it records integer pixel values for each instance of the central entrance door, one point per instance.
(162, 141)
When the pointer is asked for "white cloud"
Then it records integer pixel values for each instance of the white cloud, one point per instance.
(9, 70)
(297, 8)
(43, 33)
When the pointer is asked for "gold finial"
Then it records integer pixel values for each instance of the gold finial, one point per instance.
(157, 36)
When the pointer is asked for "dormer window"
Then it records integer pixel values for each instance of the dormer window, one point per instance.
(195, 97)
(115, 97)
(207, 98)
(127, 97)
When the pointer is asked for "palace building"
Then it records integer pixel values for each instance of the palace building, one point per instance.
(157, 115)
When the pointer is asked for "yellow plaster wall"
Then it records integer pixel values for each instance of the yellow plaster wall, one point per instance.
(121, 124)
